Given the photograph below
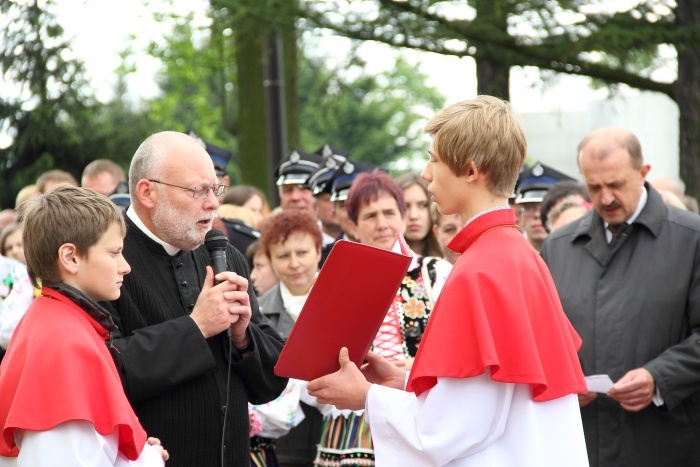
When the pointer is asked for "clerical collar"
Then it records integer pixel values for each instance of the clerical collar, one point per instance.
(169, 249)
(642, 202)
(485, 211)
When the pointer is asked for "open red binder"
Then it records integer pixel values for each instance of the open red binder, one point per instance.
(345, 308)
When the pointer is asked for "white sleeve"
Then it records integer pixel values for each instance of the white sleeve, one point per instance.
(279, 416)
(325, 409)
(76, 444)
(149, 457)
(454, 419)
(442, 269)
(13, 307)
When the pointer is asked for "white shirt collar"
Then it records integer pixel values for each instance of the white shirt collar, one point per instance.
(292, 303)
(131, 214)
(486, 211)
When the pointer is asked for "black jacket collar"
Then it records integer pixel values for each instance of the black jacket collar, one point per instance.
(91, 307)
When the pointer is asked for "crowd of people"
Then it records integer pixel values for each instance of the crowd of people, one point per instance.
(525, 285)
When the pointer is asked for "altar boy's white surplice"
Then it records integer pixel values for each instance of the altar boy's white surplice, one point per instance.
(474, 421)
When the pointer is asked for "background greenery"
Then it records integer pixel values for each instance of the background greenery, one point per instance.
(212, 78)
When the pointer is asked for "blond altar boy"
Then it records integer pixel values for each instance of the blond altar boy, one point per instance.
(495, 379)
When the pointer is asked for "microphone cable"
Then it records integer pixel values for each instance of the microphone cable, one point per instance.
(216, 241)
(228, 381)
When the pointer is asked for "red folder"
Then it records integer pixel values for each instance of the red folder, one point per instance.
(345, 308)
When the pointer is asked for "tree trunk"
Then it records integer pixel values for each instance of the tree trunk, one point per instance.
(687, 96)
(492, 78)
(492, 71)
(276, 110)
(252, 125)
(291, 85)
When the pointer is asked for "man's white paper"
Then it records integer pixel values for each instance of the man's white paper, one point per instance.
(599, 383)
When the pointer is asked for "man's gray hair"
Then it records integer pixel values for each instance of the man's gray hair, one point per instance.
(147, 161)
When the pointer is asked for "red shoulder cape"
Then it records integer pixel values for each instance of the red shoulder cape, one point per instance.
(499, 309)
(57, 369)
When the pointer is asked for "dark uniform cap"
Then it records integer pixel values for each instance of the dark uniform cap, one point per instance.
(536, 181)
(122, 200)
(328, 150)
(297, 167)
(524, 169)
(240, 234)
(219, 155)
(318, 182)
(343, 177)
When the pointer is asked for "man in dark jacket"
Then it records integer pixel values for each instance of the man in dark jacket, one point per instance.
(187, 380)
(628, 274)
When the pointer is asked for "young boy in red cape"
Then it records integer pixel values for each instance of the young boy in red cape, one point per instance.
(61, 399)
(495, 379)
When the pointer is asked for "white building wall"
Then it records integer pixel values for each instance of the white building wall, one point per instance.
(554, 135)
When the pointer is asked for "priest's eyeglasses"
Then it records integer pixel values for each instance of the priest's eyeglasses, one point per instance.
(200, 191)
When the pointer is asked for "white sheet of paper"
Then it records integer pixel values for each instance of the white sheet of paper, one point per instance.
(599, 383)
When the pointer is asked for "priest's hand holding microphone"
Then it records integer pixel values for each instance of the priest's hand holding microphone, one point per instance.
(224, 303)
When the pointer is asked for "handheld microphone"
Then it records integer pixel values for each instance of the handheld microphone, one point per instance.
(216, 242)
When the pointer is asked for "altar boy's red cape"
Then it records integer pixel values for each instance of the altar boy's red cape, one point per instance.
(499, 309)
(57, 369)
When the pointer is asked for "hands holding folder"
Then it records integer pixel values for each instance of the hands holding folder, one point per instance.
(341, 313)
(347, 388)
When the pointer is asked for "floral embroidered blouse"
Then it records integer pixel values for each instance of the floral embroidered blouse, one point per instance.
(405, 322)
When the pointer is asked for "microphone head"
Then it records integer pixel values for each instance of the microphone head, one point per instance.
(215, 240)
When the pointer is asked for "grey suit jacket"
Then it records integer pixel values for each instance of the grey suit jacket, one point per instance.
(636, 304)
(272, 306)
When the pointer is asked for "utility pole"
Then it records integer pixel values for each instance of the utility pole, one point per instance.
(275, 110)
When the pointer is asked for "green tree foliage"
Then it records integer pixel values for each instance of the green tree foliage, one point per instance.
(568, 36)
(196, 81)
(580, 37)
(116, 129)
(54, 121)
(192, 79)
(256, 25)
(49, 112)
(47, 103)
(379, 118)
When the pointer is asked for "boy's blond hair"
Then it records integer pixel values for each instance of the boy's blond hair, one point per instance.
(64, 214)
(484, 131)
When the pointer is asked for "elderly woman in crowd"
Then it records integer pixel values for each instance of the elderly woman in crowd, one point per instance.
(291, 240)
(377, 210)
